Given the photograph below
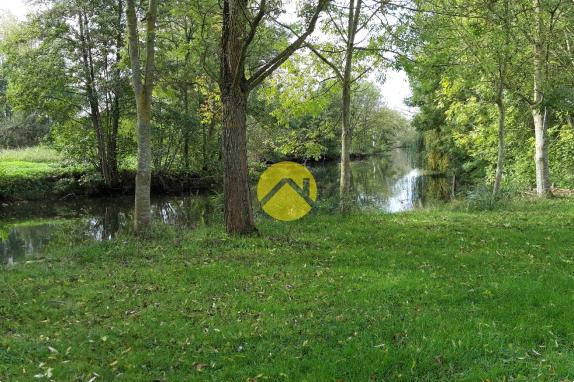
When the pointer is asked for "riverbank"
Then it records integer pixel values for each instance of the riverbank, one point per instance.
(41, 175)
(38, 174)
(65, 183)
(425, 295)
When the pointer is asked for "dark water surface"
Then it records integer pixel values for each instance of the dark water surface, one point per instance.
(390, 183)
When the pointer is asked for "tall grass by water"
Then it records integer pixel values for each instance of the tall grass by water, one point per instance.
(37, 154)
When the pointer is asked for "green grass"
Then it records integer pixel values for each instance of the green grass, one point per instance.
(28, 162)
(31, 154)
(38, 173)
(424, 296)
(25, 169)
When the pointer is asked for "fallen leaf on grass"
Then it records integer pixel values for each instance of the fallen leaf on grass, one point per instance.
(199, 366)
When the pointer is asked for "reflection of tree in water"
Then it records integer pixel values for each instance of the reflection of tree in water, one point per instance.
(103, 218)
(189, 212)
(23, 241)
(186, 212)
(105, 224)
(436, 187)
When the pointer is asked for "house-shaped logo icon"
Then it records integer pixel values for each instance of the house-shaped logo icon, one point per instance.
(287, 191)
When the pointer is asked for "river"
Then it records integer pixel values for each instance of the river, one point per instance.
(390, 183)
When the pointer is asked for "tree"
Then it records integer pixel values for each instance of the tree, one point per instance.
(541, 22)
(143, 89)
(346, 47)
(240, 25)
(484, 33)
(185, 62)
(79, 43)
(467, 44)
(540, 45)
(106, 138)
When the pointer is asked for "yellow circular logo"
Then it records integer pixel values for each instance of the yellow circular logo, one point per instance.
(287, 191)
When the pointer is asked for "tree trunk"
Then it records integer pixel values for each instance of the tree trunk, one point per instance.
(501, 147)
(540, 133)
(112, 150)
(346, 133)
(142, 211)
(203, 134)
(143, 94)
(541, 153)
(345, 176)
(112, 142)
(91, 92)
(238, 209)
(570, 120)
(187, 129)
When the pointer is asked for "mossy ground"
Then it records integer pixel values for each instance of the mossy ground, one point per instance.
(429, 295)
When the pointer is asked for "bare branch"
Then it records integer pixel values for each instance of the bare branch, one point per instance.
(253, 29)
(280, 58)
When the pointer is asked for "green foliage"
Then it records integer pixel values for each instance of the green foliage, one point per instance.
(297, 115)
(562, 154)
(460, 65)
(20, 130)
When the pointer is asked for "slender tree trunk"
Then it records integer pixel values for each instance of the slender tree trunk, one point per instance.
(204, 146)
(143, 93)
(187, 129)
(112, 142)
(345, 174)
(540, 133)
(570, 120)
(89, 76)
(100, 134)
(502, 65)
(112, 150)
(209, 132)
(346, 133)
(203, 134)
(501, 146)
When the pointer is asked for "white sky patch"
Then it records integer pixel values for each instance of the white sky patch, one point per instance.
(395, 90)
(18, 8)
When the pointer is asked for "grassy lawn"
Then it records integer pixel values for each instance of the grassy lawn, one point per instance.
(30, 154)
(431, 295)
(28, 162)
(25, 169)
(40, 173)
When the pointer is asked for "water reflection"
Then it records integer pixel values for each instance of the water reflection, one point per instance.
(187, 212)
(23, 241)
(98, 219)
(391, 183)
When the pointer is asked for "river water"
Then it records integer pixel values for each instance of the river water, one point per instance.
(390, 183)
